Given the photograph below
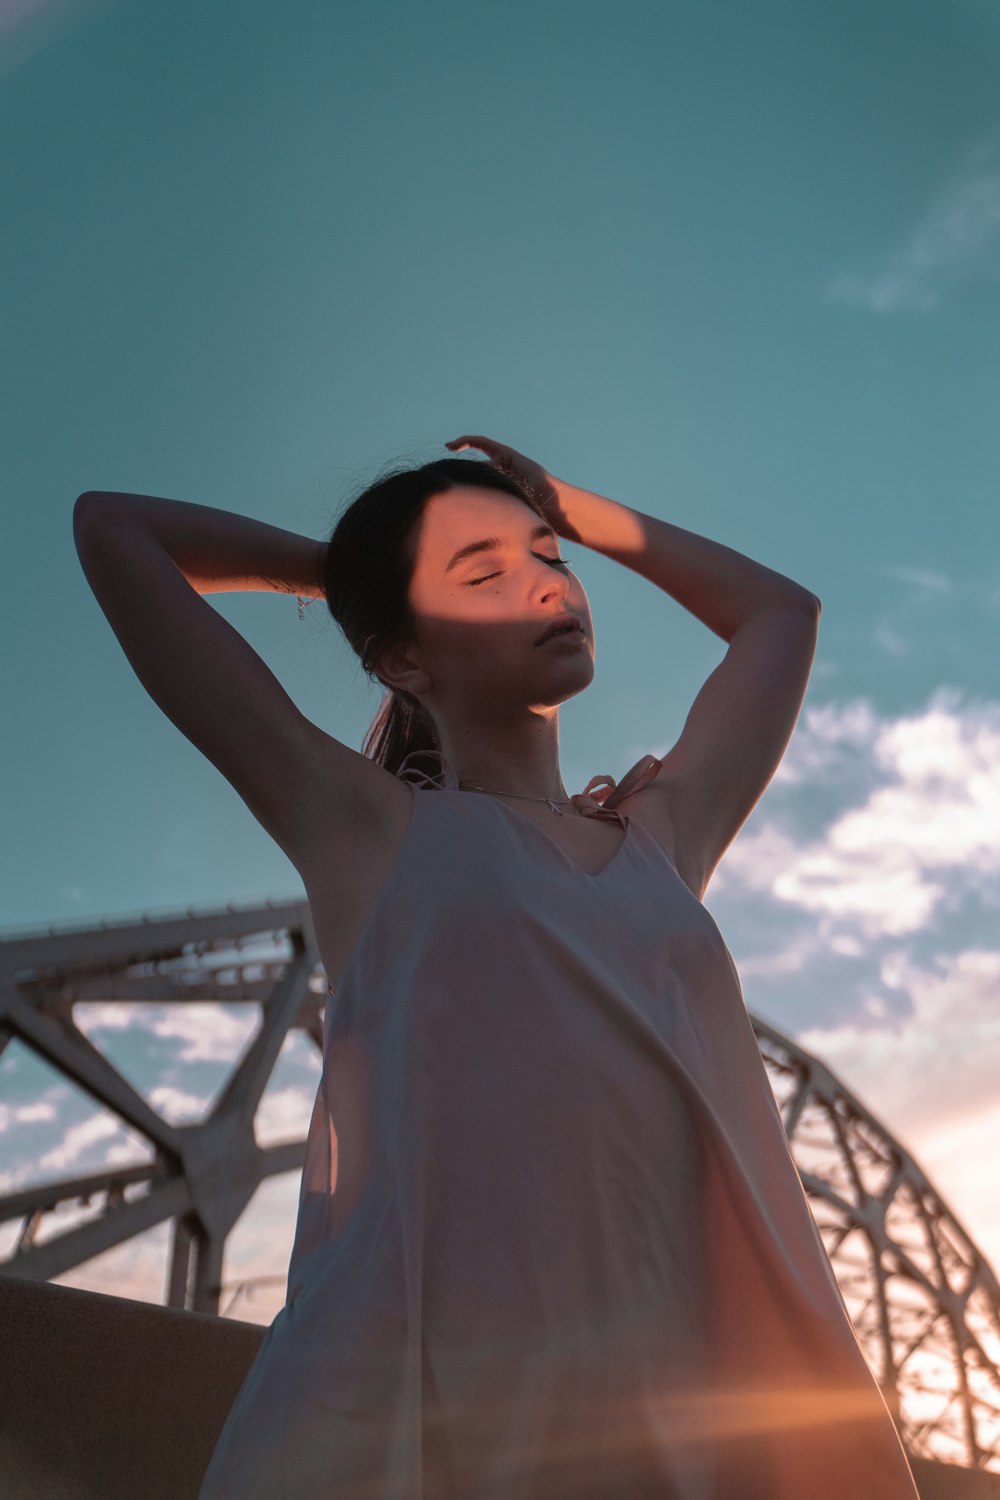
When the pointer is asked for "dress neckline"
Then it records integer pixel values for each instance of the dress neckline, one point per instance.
(587, 874)
(589, 806)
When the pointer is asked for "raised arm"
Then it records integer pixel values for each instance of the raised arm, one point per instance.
(217, 551)
(742, 719)
(148, 561)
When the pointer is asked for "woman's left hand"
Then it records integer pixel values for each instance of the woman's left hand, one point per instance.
(531, 476)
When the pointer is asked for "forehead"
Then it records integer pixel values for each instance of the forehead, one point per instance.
(456, 517)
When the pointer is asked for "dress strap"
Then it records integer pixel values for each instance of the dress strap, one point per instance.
(445, 780)
(598, 804)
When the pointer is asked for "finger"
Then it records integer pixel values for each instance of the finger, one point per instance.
(474, 441)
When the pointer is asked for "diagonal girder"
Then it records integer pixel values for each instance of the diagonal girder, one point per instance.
(60, 1042)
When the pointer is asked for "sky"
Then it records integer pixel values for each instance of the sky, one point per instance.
(735, 266)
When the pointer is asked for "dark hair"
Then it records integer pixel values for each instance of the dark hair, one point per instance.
(366, 577)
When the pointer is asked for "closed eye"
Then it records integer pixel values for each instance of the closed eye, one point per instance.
(556, 562)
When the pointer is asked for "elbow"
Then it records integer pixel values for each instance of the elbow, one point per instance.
(88, 512)
(90, 507)
(82, 509)
(85, 504)
(810, 600)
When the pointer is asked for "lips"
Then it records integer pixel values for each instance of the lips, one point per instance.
(564, 624)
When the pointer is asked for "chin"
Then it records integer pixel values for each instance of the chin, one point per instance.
(570, 684)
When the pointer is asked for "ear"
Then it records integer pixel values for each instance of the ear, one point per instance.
(399, 667)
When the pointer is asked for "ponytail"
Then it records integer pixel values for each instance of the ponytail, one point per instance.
(401, 727)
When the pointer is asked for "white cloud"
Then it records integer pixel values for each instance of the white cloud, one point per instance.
(828, 736)
(122, 1154)
(925, 828)
(91, 1015)
(283, 1114)
(959, 231)
(890, 640)
(15, 13)
(27, 27)
(912, 835)
(962, 1159)
(790, 956)
(135, 1269)
(934, 1065)
(41, 1109)
(177, 1106)
(210, 1032)
(75, 893)
(924, 578)
(77, 1141)
(25, 1114)
(930, 1075)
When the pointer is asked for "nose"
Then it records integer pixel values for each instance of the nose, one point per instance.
(552, 580)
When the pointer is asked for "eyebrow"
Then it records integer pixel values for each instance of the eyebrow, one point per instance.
(493, 544)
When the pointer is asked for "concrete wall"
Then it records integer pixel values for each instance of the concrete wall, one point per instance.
(105, 1398)
(945, 1482)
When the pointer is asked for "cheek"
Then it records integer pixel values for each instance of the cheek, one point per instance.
(468, 651)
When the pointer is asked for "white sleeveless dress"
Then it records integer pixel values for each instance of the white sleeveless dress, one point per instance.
(551, 1242)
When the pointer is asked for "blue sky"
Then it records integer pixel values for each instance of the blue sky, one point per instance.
(737, 266)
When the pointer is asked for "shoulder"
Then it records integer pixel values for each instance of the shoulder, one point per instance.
(652, 803)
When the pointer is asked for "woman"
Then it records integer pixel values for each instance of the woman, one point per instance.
(551, 1243)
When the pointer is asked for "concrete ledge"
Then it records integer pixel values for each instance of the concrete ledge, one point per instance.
(106, 1398)
(946, 1482)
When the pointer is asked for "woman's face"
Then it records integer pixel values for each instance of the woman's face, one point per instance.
(480, 612)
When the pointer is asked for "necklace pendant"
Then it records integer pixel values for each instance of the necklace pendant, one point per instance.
(556, 809)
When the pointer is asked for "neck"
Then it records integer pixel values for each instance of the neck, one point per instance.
(521, 761)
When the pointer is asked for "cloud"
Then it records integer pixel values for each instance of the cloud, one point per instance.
(959, 232)
(210, 1032)
(872, 914)
(922, 577)
(136, 1269)
(25, 1114)
(890, 640)
(283, 1114)
(27, 27)
(78, 1140)
(903, 628)
(177, 1106)
(934, 1065)
(93, 1015)
(923, 832)
(17, 13)
(930, 1075)
(829, 739)
(74, 893)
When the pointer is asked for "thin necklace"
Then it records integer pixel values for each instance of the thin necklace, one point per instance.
(524, 798)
